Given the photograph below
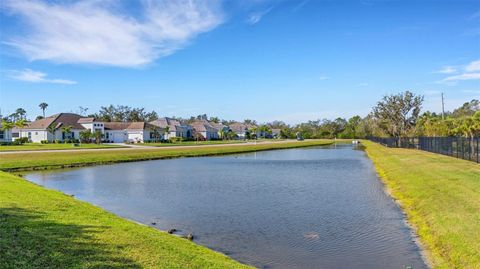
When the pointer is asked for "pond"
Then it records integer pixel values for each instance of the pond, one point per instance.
(320, 207)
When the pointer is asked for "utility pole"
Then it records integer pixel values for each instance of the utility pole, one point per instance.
(443, 108)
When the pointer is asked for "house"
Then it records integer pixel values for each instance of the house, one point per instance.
(240, 129)
(136, 132)
(276, 133)
(174, 127)
(53, 128)
(50, 128)
(203, 130)
(5, 135)
(220, 127)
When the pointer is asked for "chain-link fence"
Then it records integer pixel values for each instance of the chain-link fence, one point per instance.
(459, 147)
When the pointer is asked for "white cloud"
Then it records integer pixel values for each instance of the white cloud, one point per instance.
(97, 32)
(473, 66)
(466, 76)
(447, 70)
(363, 84)
(255, 17)
(37, 77)
(323, 77)
(470, 71)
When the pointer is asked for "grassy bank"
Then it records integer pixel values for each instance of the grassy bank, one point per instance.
(42, 228)
(441, 197)
(50, 160)
(196, 143)
(38, 146)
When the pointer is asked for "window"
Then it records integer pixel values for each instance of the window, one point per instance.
(15, 135)
(36, 133)
(2, 134)
(29, 135)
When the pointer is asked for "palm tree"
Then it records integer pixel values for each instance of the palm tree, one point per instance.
(43, 106)
(51, 129)
(21, 123)
(7, 125)
(66, 130)
(167, 130)
(221, 134)
(20, 113)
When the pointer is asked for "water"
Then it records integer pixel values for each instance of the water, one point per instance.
(296, 208)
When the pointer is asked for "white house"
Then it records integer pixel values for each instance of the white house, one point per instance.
(175, 128)
(240, 129)
(52, 128)
(204, 130)
(5, 135)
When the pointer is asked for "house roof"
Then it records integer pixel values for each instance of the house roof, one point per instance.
(238, 127)
(59, 120)
(218, 126)
(203, 126)
(173, 124)
(86, 120)
(137, 125)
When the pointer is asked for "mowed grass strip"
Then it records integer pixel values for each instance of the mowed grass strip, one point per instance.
(441, 197)
(41, 228)
(196, 143)
(39, 146)
(50, 160)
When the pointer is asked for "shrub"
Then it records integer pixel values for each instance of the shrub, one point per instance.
(6, 143)
(44, 141)
(175, 139)
(57, 141)
(21, 140)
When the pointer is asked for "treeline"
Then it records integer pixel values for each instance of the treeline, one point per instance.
(397, 115)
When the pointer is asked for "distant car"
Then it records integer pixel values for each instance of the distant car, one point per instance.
(299, 136)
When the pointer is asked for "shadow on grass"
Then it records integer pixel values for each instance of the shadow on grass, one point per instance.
(28, 240)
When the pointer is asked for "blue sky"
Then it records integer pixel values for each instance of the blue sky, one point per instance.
(267, 60)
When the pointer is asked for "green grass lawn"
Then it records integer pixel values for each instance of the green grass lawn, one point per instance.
(39, 146)
(59, 159)
(441, 197)
(42, 228)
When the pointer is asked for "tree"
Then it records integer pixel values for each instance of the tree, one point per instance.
(39, 117)
(166, 132)
(21, 123)
(43, 106)
(7, 125)
(51, 129)
(398, 114)
(82, 110)
(221, 133)
(215, 119)
(66, 132)
(20, 113)
(467, 109)
(86, 136)
(98, 136)
(155, 133)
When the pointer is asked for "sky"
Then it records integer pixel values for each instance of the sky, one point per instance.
(260, 59)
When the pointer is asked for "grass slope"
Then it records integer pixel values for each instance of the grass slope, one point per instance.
(441, 197)
(42, 228)
(35, 160)
(38, 146)
(196, 143)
